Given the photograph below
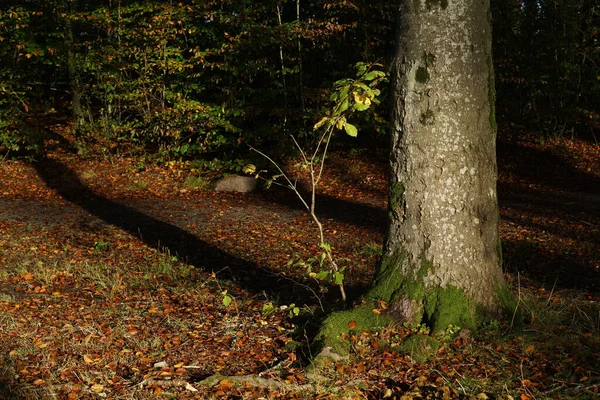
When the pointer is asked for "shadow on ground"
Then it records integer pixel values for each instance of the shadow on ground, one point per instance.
(546, 188)
(164, 236)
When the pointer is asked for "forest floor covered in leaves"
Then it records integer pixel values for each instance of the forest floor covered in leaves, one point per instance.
(114, 272)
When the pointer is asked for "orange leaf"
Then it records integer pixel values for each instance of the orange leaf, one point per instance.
(351, 324)
(225, 384)
(530, 349)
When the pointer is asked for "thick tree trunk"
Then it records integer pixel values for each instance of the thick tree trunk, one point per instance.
(441, 256)
(442, 245)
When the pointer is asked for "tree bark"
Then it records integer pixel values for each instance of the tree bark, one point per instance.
(442, 240)
(441, 262)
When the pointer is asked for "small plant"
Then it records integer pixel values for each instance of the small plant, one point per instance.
(196, 183)
(269, 308)
(349, 95)
(448, 334)
(227, 300)
(371, 249)
(138, 185)
(101, 245)
(417, 329)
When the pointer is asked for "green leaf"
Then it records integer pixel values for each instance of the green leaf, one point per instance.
(227, 300)
(344, 105)
(268, 309)
(339, 278)
(322, 275)
(344, 92)
(325, 246)
(373, 74)
(322, 258)
(361, 107)
(361, 68)
(351, 130)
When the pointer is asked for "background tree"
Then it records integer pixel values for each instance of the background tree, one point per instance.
(440, 263)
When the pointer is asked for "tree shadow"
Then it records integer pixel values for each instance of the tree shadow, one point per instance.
(360, 215)
(534, 165)
(164, 236)
(549, 269)
(568, 193)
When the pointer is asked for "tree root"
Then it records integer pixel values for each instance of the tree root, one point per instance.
(216, 379)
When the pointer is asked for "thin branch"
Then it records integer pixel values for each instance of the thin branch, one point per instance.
(290, 184)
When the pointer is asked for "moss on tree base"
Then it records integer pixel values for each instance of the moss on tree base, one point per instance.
(339, 325)
(408, 301)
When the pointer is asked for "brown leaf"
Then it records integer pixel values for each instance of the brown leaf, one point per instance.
(225, 384)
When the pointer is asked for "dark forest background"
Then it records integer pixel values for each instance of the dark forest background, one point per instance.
(205, 78)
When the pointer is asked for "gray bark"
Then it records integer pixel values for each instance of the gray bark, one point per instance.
(443, 206)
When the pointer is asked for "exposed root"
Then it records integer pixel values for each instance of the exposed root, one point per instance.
(216, 379)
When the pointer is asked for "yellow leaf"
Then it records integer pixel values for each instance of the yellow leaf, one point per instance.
(249, 169)
(320, 123)
(361, 99)
(97, 388)
(88, 359)
(340, 123)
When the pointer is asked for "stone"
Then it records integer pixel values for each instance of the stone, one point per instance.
(236, 183)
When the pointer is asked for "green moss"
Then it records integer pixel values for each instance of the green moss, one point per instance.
(426, 266)
(427, 118)
(337, 325)
(389, 278)
(439, 3)
(395, 196)
(449, 305)
(509, 305)
(420, 347)
(422, 76)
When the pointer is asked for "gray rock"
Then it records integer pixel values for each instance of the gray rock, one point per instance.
(236, 183)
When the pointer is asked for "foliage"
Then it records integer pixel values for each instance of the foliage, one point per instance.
(190, 78)
(547, 63)
(349, 95)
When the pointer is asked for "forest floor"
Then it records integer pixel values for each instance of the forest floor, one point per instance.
(123, 279)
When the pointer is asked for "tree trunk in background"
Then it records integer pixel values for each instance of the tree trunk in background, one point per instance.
(75, 82)
(441, 254)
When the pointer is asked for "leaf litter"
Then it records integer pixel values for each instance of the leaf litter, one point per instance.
(90, 307)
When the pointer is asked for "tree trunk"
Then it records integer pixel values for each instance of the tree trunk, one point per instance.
(441, 256)
(441, 253)
(75, 84)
